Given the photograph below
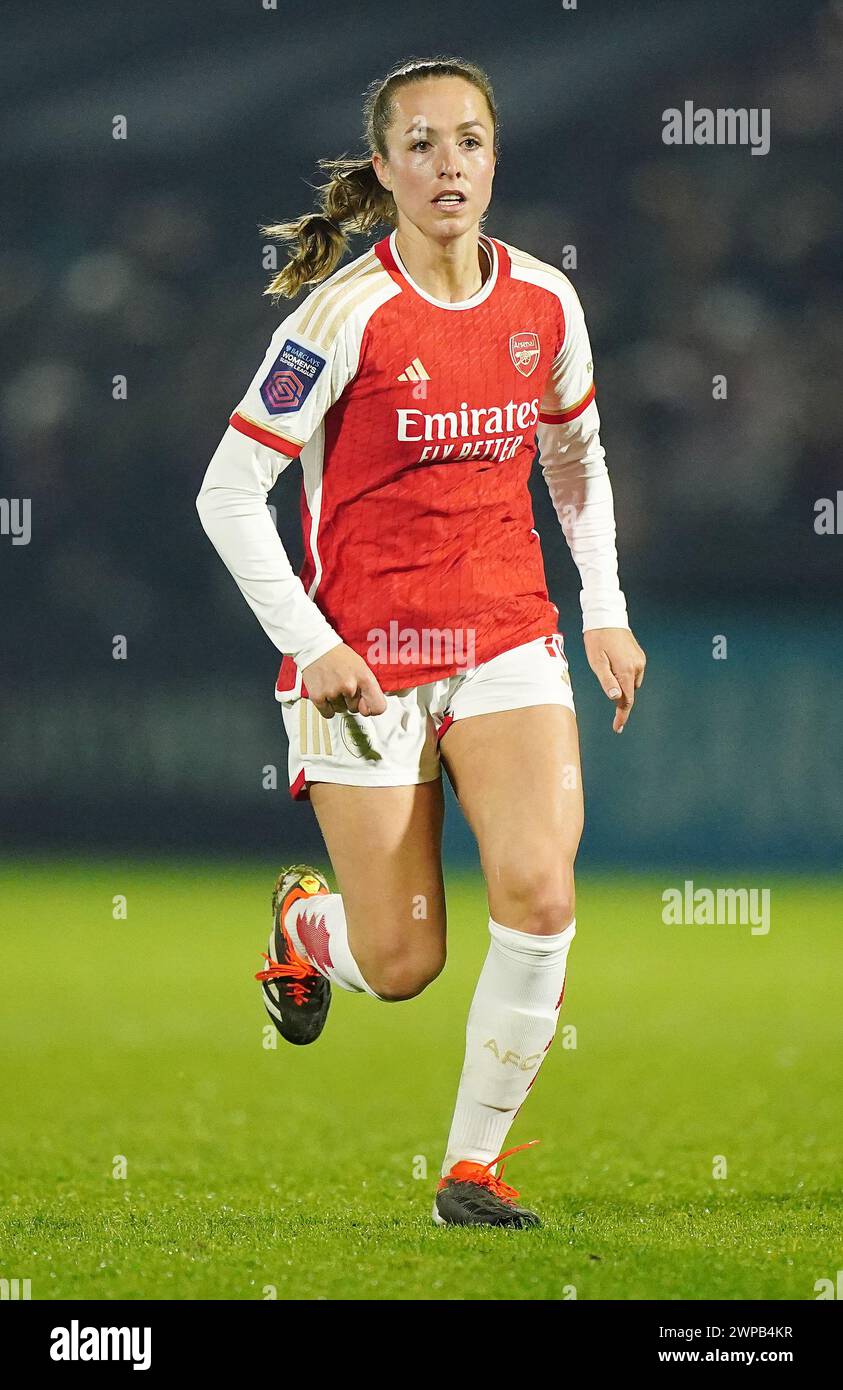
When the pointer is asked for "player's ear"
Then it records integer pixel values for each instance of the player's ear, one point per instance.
(379, 165)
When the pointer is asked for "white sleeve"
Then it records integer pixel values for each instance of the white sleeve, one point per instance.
(573, 463)
(232, 508)
(285, 403)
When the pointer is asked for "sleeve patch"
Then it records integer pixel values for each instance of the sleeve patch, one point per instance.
(291, 378)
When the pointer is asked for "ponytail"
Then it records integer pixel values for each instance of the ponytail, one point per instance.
(353, 200)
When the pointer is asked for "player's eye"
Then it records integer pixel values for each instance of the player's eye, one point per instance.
(472, 138)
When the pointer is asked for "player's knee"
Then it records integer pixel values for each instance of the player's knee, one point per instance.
(549, 917)
(404, 977)
(531, 899)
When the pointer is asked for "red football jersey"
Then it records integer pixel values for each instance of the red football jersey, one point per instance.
(415, 423)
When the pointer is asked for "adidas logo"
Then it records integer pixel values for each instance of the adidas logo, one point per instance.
(415, 372)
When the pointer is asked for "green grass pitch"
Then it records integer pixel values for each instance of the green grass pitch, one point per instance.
(254, 1173)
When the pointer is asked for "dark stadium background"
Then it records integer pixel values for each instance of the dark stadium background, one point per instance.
(143, 257)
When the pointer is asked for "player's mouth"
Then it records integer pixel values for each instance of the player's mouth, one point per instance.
(451, 199)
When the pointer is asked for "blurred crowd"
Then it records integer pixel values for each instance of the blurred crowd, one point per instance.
(692, 263)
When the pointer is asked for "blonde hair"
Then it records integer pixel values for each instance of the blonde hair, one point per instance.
(354, 199)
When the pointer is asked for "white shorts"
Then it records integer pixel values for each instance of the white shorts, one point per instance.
(400, 747)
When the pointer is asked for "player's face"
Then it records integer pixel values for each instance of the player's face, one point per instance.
(440, 139)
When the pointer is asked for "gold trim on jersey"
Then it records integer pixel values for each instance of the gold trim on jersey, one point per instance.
(337, 311)
(316, 299)
(528, 262)
(264, 425)
(325, 311)
(523, 258)
(585, 398)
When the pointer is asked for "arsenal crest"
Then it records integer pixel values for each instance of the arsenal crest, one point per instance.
(524, 349)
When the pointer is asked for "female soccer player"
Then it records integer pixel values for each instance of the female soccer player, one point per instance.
(413, 385)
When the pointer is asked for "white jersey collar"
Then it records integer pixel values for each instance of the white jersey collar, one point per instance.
(478, 298)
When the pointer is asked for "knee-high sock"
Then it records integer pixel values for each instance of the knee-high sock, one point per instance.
(318, 930)
(511, 1024)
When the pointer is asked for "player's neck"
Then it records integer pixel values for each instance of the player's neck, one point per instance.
(452, 273)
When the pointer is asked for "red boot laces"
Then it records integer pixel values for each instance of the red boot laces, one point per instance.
(298, 972)
(467, 1171)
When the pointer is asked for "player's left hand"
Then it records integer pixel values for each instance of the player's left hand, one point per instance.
(618, 663)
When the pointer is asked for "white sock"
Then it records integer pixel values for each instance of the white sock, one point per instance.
(318, 930)
(511, 1024)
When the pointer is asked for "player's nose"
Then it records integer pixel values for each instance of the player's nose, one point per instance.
(449, 163)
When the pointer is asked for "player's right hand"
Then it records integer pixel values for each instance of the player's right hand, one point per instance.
(341, 680)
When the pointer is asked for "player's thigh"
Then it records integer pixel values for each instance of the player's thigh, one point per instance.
(518, 779)
(385, 846)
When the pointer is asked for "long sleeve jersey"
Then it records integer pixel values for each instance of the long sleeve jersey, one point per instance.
(416, 422)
